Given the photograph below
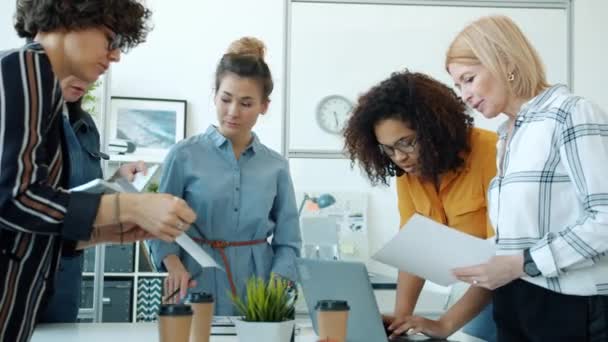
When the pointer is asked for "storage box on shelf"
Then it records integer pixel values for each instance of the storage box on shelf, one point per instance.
(132, 287)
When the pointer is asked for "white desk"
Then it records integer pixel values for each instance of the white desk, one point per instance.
(145, 332)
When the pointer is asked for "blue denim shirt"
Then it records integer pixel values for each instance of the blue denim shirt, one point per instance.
(84, 151)
(235, 200)
(82, 140)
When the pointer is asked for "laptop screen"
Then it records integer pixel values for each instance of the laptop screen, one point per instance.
(340, 280)
(349, 281)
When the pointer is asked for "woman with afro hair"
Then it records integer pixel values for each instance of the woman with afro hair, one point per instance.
(417, 129)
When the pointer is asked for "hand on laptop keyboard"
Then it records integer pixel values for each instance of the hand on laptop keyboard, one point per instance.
(414, 337)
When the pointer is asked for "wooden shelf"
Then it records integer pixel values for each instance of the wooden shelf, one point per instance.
(136, 277)
(118, 275)
(152, 274)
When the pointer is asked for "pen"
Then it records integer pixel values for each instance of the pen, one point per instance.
(172, 294)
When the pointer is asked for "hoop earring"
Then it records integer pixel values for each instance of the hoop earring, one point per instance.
(511, 77)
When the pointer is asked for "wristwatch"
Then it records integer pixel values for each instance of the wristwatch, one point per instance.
(530, 267)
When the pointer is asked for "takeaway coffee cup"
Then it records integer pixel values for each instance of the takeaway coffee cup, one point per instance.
(202, 305)
(174, 321)
(332, 318)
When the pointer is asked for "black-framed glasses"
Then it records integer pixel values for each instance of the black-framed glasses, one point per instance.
(405, 145)
(115, 40)
(115, 43)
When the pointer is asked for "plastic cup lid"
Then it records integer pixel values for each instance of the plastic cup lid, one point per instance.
(200, 297)
(332, 305)
(175, 310)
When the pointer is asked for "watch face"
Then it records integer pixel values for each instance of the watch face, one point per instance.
(333, 113)
(531, 269)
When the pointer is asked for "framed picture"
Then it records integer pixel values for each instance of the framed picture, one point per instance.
(144, 128)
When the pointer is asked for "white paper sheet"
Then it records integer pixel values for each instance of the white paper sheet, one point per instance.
(196, 251)
(99, 186)
(140, 181)
(431, 250)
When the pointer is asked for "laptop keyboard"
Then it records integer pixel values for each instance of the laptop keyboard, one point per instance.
(416, 337)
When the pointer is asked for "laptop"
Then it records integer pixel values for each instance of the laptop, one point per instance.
(342, 280)
(223, 326)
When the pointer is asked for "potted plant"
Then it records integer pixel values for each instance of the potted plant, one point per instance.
(90, 100)
(152, 187)
(267, 311)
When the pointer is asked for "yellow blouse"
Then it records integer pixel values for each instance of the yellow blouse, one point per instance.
(462, 197)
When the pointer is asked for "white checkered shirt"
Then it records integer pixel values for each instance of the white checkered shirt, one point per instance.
(552, 193)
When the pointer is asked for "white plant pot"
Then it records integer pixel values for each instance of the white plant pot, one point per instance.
(263, 331)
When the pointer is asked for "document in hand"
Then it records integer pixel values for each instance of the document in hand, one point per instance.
(196, 251)
(120, 184)
(431, 250)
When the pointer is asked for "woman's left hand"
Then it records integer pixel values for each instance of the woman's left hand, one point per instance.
(129, 170)
(128, 233)
(498, 271)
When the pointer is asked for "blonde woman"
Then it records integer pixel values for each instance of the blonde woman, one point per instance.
(549, 201)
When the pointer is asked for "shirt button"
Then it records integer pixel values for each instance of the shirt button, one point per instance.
(236, 209)
(237, 188)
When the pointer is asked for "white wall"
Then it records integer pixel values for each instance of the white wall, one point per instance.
(374, 40)
(190, 36)
(180, 56)
(179, 59)
(8, 36)
(590, 50)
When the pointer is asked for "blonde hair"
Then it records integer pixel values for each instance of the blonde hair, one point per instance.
(248, 46)
(498, 44)
(245, 58)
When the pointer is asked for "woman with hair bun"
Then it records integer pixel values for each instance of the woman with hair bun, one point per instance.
(241, 189)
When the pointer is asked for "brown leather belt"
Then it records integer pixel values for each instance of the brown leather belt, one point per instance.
(220, 245)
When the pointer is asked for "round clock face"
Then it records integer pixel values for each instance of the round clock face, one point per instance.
(333, 112)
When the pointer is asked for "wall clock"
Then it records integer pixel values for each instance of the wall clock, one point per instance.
(333, 112)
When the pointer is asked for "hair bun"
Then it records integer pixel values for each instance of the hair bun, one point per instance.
(248, 46)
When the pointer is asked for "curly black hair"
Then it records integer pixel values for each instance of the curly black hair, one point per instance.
(127, 18)
(426, 106)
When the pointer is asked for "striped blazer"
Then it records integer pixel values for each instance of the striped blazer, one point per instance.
(39, 218)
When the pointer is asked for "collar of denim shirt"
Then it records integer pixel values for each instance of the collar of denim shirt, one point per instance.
(219, 140)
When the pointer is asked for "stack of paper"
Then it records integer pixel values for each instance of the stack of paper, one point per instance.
(138, 184)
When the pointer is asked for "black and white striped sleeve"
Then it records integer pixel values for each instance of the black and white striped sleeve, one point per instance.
(31, 157)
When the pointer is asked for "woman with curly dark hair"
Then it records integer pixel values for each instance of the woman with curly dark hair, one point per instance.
(40, 220)
(416, 128)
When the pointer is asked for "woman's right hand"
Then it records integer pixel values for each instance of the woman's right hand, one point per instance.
(163, 215)
(409, 325)
(387, 320)
(178, 278)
